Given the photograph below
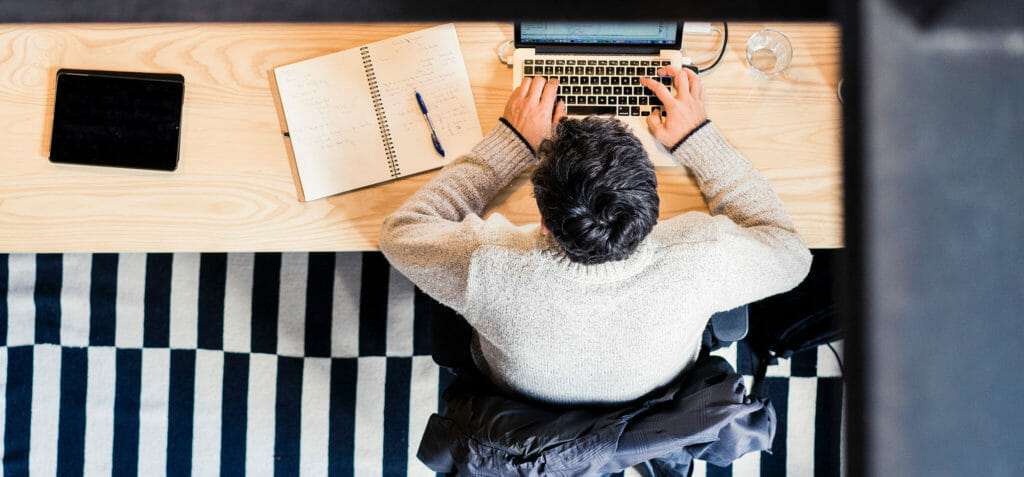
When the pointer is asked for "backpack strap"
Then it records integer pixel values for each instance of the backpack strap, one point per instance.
(757, 387)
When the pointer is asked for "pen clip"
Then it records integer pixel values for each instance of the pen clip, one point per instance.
(419, 100)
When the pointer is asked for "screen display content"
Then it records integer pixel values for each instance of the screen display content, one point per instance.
(655, 33)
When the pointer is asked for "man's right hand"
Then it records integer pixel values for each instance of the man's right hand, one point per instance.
(684, 111)
(529, 109)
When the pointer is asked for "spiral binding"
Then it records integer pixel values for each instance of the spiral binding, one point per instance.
(382, 121)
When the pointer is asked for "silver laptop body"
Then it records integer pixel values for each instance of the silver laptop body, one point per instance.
(598, 66)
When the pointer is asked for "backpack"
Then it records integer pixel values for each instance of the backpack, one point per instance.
(800, 319)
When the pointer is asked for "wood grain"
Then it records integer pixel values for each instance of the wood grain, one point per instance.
(234, 188)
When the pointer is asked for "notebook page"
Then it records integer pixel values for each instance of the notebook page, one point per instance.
(332, 123)
(429, 61)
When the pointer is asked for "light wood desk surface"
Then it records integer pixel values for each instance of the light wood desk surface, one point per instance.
(234, 190)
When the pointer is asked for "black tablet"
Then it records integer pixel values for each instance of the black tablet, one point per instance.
(114, 118)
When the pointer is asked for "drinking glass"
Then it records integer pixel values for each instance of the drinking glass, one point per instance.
(769, 52)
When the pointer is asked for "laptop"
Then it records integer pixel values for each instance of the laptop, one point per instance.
(599, 65)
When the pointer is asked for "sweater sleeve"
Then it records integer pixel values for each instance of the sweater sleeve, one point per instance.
(432, 236)
(765, 255)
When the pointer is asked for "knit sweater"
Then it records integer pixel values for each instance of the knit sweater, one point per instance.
(563, 332)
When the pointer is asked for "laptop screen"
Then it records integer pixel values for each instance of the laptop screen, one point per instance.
(661, 34)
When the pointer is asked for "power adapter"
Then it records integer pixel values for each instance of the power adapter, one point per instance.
(700, 28)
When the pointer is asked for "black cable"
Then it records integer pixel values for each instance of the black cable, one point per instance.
(725, 41)
(842, 372)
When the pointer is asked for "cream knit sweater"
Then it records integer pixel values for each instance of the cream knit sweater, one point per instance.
(562, 332)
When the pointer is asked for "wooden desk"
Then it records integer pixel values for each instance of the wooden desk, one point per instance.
(234, 191)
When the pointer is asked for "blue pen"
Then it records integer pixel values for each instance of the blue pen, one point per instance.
(433, 132)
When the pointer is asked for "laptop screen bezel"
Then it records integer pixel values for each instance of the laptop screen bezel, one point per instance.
(603, 48)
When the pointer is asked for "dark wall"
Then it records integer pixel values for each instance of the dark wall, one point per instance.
(401, 10)
(935, 226)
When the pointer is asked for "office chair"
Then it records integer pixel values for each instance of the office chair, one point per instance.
(451, 336)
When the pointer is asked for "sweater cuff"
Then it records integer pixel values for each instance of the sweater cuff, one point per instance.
(505, 151)
(687, 136)
(705, 151)
(513, 128)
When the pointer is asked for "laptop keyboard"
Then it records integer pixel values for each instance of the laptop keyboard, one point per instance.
(602, 86)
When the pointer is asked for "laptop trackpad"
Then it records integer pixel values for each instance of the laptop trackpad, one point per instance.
(659, 154)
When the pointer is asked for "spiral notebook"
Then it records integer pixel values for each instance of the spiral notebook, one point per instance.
(352, 119)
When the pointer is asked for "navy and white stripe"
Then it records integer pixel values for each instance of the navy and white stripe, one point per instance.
(267, 364)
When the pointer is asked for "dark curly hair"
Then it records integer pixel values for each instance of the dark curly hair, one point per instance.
(596, 189)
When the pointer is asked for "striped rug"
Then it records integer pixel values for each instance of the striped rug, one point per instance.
(267, 364)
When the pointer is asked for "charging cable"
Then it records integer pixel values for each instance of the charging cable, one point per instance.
(506, 60)
(724, 35)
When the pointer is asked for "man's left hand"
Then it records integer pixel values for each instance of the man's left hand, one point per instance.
(684, 111)
(531, 109)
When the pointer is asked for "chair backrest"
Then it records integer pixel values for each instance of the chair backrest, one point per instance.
(725, 327)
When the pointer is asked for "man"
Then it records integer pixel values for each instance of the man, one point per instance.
(598, 305)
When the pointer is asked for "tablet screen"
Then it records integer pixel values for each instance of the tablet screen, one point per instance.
(108, 118)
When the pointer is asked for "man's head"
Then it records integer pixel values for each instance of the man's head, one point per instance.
(596, 189)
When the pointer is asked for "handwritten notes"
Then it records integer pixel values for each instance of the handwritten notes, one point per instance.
(327, 119)
(428, 61)
(333, 121)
